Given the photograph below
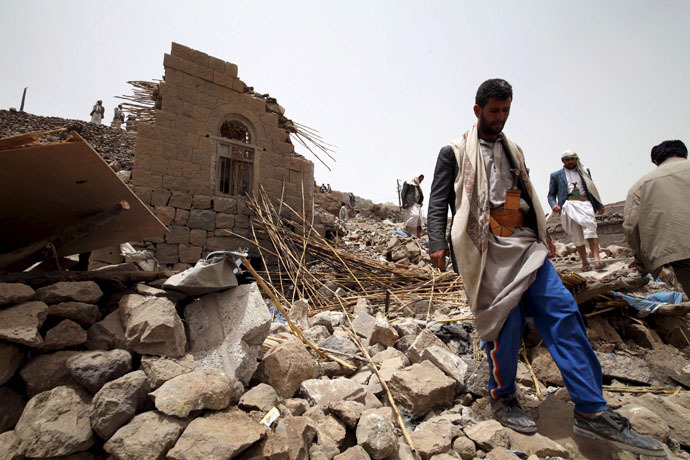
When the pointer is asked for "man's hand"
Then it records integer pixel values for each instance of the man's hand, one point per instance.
(438, 258)
(551, 247)
(602, 211)
(556, 208)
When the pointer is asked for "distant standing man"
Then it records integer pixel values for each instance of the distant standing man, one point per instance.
(97, 112)
(412, 200)
(118, 117)
(573, 194)
(657, 213)
(499, 243)
(343, 214)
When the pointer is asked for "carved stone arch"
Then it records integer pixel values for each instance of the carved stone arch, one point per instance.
(228, 112)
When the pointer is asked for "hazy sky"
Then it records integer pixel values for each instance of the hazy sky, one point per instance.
(387, 82)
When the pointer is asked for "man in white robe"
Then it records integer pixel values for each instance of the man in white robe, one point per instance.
(573, 194)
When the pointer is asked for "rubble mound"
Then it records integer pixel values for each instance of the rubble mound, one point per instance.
(113, 144)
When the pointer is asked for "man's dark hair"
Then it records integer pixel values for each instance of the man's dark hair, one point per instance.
(667, 149)
(496, 88)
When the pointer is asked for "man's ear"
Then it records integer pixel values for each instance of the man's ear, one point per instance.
(477, 110)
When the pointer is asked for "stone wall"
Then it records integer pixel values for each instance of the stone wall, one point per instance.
(176, 158)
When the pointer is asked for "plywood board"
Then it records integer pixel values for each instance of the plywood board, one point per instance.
(47, 188)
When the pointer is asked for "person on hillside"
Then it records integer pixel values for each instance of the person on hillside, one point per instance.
(573, 195)
(412, 199)
(97, 112)
(657, 213)
(343, 214)
(118, 117)
(500, 247)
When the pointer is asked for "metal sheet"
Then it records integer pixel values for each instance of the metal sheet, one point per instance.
(47, 188)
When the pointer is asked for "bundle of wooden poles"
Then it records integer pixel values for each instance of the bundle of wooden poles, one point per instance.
(312, 267)
(141, 104)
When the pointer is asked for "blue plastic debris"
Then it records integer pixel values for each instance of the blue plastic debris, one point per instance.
(652, 301)
(400, 233)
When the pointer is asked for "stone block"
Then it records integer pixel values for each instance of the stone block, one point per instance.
(178, 234)
(165, 214)
(181, 216)
(107, 334)
(224, 243)
(424, 340)
(47, 371)
(160, 197)
(192, 186)
(202, 202)
(144, 178)
(148, 435)
(11, 406)
(325, 392)
(241, 221)
(181, 51)
(225, 220)
(11, 356)
(175, 168)
(215, 64)
(15, 293)
(204, 100)
(223, 79)
(191, 170)
(94, 369)
(186, 124)
(231, 69)
(286, 366)
(148, 146)
(152, 326)
(422, 387)
(202, 219)
(239, 86)
(197, 237)
(225, 205)
(167, 253)
(160, 369)
(67, 334)
(189, 254)
(179, 63)
(144, 194)
(116, 403)
(226, 330)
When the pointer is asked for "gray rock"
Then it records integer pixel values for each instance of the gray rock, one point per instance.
(11, 407)
(55, 423)
(85, 314)
(329, 319)
(477, 382)
(202, 389)
(64, 291)
(329, 429)
(11, 356)
(338, 343)
(286, 366)
(383, 333)
(673, 411)
(11, 446)
(646, 422)
(226, 330)
(536, 444)
(67, 334)
(297, 433)
(429, 443)
(347, 411)
(376, 434)
(45, 372)
(422, 387)
(424, 340)
(464, 447)
(317, 333)
(453, 366)
(324, 392)
(92, 369)
(323, 451)
(299, 313)
(20, 323)
(160, 369)
(152, 326)
(148, 436)
(501, 453)
(262, 398)
(353, 453)
(364, 324)
(15, 293)
(626, 368)
(218, 436)
(488, 434)
(545, 368)
(107, 334)
(407, 326)
(116, 403)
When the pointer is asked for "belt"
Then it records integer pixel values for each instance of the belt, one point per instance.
(578, 198)
(503, 223)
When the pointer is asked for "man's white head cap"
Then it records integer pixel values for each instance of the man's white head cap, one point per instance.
(568, 154)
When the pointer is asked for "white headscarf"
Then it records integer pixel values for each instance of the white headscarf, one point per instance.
(591, 188)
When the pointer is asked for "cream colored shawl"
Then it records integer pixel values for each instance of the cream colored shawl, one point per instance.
(470, 231)
(591, 188)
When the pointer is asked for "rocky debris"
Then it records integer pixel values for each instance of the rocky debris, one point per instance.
(160, 369)
(422, 387)
(452, 365)
(152, 326)
(286, 366)
(324, 392)
(55, 423)
(107, 334)
(464, 447)
(148, 435)
(45, 372)
(95, 368)
(21, 323)
(15, 293)
(11, 356)
(202, 389)
(11, 407)
(226, 330)
(262, 398)
(218, 436)
(65, 291)
(117, 402)
(67, 334)
(353, 453)
(11, 446)
(86, 314)
(376, 434)
(112, 144)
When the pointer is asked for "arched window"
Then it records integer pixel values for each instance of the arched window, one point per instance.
(235, 159)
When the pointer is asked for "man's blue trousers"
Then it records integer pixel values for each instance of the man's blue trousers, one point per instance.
(560, 324)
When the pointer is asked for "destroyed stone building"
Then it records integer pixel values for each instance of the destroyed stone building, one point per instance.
(213, 142)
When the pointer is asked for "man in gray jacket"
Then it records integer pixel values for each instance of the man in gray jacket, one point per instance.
(657, 213)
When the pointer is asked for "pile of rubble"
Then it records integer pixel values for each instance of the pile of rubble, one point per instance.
(113, 144)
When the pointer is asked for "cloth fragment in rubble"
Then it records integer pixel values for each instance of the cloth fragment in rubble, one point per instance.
(652, 301)
(215, 273)
(401, 233)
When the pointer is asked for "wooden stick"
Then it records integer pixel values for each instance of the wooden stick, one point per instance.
(531, 371)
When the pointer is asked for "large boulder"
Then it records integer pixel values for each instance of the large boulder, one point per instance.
(218, 436)
(226, 330)
(149, 435)
(376, 434)
(202, 389)
(64, 291)
(107, 334)
(85, 314)
(116, 403)
(56, 423)
(160, 369)
(92, 369)
(286, 366)
(422, 387)
(67, 334)
(152, 326)
(45, 372)
(20, 323)
(11, 357)
(15, 293)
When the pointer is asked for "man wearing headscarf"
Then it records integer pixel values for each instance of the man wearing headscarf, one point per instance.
(412, 200)
(573, 194)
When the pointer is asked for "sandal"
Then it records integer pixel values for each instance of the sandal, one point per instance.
(586, 268)
(599, 265)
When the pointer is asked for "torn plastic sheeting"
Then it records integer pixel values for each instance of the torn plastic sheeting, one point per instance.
(215, 273)
(652, 301)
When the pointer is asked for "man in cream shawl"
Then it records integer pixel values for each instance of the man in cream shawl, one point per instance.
(506, 277)
(573, 194)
